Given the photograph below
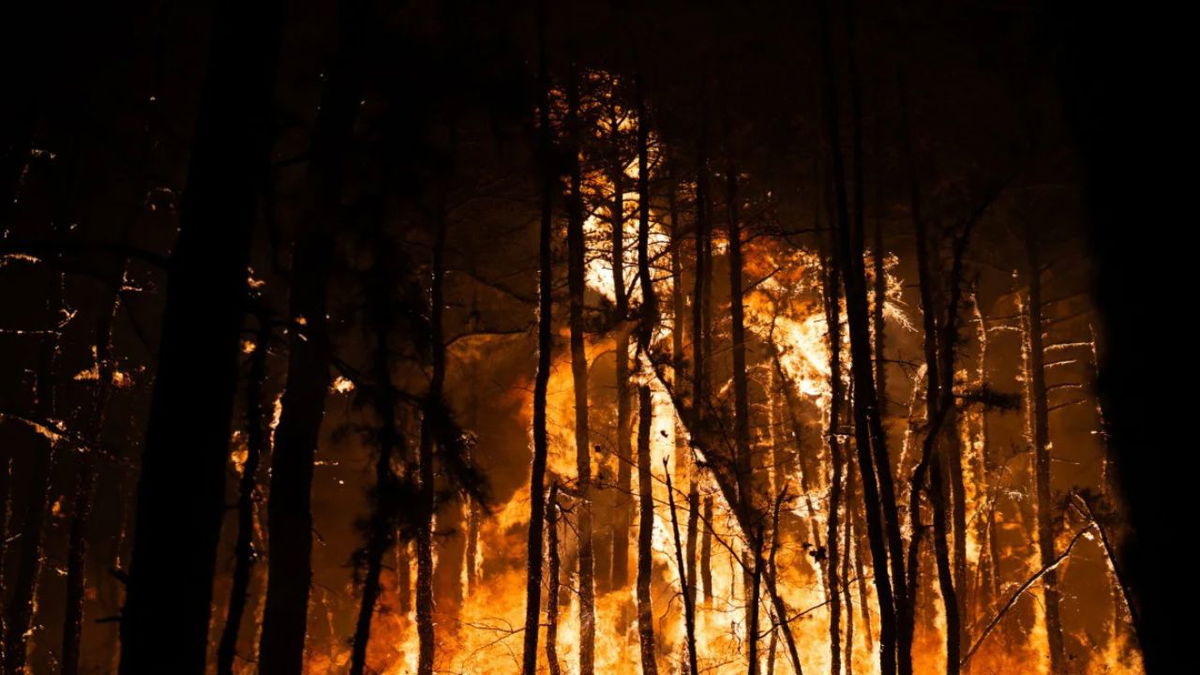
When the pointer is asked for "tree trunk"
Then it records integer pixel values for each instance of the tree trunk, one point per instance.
(537, 475)
(686, 584)
(244, 553)
(576, 247)
(622, 522)
(701, 351)
(381, 528)
(743, 464)
(164, 625)
(847, 545)
(645, 560)
(706, 538)
(552, 572)
(874, 465)
(289, 512)
(932, 472)
(426, 504)
(648, 320)
(833, 321)
(1041, 458)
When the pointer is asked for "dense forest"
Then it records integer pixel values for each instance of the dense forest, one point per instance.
(345, 336)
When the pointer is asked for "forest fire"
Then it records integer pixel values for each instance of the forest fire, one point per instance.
(562, 338)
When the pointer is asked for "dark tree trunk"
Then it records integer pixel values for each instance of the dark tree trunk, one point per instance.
(706, 550)
(833, 321)
(932, 472)
(743, 463)
(425, 495)
(648, 320)
(164, 624)
(623, 517)
(576, 247)
(701, 351)
(381, 528)
(1041, 457)
(537, 475)
(553, 567)
(686, 584)
(645, 613)
(874, 465)
(289, 513)
(847, 600)
(244, 554)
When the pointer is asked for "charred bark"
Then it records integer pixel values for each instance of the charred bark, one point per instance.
(648, 320)
(553, 565)
(537, 477)
(289, 507)
(833, 321)
(645, 613)
(165, 620)
(426, 505)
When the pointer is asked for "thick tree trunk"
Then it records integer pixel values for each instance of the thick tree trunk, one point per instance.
(164, 624)
(244, 553)
(576, 247)
(289, 513)
(1041, 458)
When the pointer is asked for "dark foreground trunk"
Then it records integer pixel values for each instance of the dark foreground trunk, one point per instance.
(181, 491)
(289, 515)
(537, 473)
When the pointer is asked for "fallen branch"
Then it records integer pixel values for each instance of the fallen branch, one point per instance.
(1016, 595)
